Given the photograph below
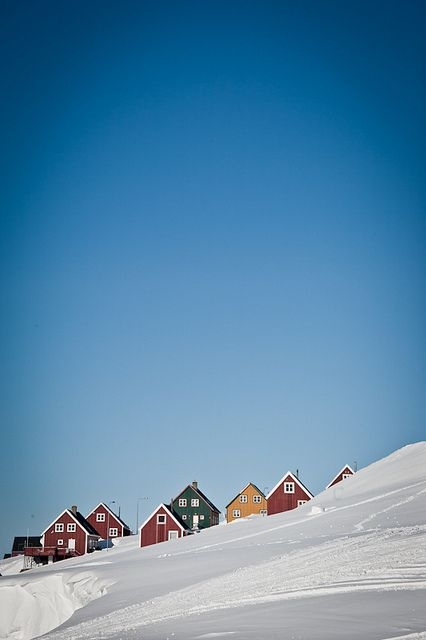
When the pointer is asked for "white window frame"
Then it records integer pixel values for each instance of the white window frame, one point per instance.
(236, 513)
(59, 527)
(182, 502)
(243, 498)
(289, 487)
(195, 502)
(100, 517)
(263, 512)
(257, 498)
(161, 518)
(201, 516)
(300, 502)
(184, 516)
(346, 475)
(71, 527)
(113, 532)
(60, 543)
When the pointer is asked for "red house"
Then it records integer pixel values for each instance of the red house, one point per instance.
(68, 535)
(163, 524)
(344, 473)
(107, 523)
(288, 494)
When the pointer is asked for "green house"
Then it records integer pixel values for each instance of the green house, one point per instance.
(195, 509)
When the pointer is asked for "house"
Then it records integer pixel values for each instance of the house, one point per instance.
(21, 542)
(194, 508)
(162, 525)
(344, 473)
(287, 494)
(107, 523)
(68, 535)
(249, 501)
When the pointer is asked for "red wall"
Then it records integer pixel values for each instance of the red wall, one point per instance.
(51, 537)
(340, 476)
(151, 532)
(101, 527)
(280, 501)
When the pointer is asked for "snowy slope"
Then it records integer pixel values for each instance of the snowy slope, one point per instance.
(349, 564)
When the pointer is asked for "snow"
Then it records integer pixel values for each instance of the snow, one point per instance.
(350, 563)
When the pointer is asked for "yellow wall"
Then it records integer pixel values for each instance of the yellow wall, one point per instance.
(246, 508)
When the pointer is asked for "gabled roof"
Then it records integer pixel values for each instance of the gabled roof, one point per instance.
(111, 512)
(166, 507)
(295, 479)
(79, 519)
(340, 473)
(199, 493)
(250, 484)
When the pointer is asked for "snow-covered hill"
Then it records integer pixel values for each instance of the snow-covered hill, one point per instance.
(349, 564)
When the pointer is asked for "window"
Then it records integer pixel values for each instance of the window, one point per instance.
(263, 512)
(113, 532)
(289, 487)
(71, 527)
(59, 527)
(182, 502)
(346, 475)
(300, 502)
(201, 517)
(236, 513)
(60, 543)
(100, 517)
(195, 502)
(243, 498)
(257, 498)
(161, 518)
(184, 516)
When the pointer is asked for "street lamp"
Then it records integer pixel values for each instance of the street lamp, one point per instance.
(137, 512)
(110, 502)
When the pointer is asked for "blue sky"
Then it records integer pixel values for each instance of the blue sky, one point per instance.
(212, 253)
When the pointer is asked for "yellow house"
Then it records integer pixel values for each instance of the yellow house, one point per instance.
(249, 501)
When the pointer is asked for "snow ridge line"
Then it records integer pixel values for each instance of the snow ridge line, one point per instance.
(120, 618)
(353, 564)
(372, 516)
(51, 600)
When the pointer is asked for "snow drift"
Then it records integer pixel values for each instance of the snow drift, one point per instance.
(350, 563)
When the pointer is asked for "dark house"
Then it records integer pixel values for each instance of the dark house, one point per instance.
(21, 542)
(194, 508)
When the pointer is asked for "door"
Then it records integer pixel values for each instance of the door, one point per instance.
(173, 535)
(71, 544)
(195, 521)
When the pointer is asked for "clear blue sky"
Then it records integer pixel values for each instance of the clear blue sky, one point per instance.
(213, 247)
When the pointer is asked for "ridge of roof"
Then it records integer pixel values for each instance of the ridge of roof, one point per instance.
(79, 518)
(200, 493)
(295, 479)
(346, 466)
(242, 490)
(173, 515)
(104, 504)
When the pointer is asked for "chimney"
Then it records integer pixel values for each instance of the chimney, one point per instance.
(74, 509)
(195, 484)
